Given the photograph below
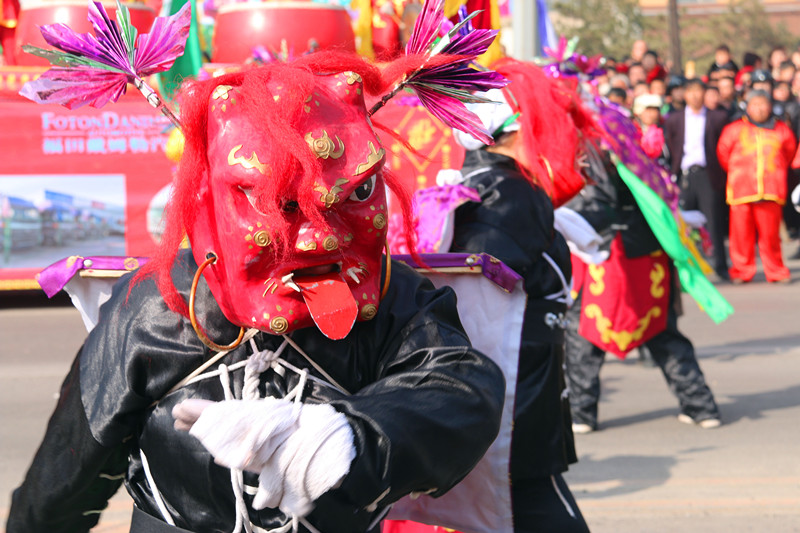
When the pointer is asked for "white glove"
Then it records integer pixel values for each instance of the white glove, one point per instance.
(695, 219)
(299, 452)
(581, 237)
(796, 198)
(449, 176)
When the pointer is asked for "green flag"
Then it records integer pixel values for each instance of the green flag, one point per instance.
(187, 65)
(661, 220)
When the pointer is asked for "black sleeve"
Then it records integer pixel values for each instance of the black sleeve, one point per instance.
(598, 201)
(137, 351)
(433, 411)
(513, 222)
(72, 475)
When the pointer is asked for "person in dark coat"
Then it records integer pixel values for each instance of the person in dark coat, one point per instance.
(348, 381)
(514, 223)
(691, 136)
(609, 207)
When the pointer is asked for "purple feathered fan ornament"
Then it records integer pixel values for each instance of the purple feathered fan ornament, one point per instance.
(96, 69)
(444, 89)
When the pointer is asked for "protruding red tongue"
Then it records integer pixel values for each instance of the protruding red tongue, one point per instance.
(331, 303)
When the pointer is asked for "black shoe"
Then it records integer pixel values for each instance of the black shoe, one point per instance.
(723, 275)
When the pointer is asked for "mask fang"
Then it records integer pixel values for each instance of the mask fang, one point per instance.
(287, 280)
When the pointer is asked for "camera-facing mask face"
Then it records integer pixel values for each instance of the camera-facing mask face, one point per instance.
(293, 252)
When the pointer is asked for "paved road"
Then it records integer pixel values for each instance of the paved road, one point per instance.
(642, 472)
(645, 472)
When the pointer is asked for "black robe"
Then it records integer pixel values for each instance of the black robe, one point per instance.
(418, 387)
(514, 223)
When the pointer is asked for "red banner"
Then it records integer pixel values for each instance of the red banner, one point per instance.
(82, 182)
(433, 141)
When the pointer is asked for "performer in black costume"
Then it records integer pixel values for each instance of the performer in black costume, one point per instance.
(514, 223)
(309, 421)
(610, 208)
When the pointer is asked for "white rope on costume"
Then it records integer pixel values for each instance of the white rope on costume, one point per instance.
(162, 508)
(380, 517)
(561, 497)
(278, 366)
(237, 477)
(283, 529)
(476, 172)
(563, 295)
(315, 365)
(185, 381)
(257, 363)
(309, 527)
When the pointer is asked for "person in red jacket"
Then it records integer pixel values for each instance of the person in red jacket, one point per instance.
(756, 152)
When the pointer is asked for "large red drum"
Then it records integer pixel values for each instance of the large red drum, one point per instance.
(73, 13)
(243, 26)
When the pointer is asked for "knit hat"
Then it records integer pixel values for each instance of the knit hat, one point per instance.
(643, 101)
(755, 93)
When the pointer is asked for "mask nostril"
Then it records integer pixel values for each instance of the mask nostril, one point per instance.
(290, 206)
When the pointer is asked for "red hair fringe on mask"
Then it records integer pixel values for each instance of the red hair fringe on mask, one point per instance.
(553, 123)
(293, 164)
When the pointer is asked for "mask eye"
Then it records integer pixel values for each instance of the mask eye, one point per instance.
(364, 191)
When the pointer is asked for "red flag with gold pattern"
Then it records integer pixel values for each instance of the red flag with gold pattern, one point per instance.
(624, 301)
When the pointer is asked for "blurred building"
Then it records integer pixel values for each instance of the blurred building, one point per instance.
(778, 11)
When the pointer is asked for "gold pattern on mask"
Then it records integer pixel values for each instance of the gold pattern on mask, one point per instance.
(369, 311)
(328, 198)
(279, 325)
(373, 158)
(306, 246)
(352, 77)
(221, 92)
(261, 238)
(250, 162)
(324, 147)
(330, 243)
(271, 287)
(379, 221)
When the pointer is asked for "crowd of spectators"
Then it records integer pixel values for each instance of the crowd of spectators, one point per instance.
(740, 183)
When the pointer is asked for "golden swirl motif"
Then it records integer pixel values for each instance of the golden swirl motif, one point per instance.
(279, 325)
(330, 243)
(379, 221)
(328, 198)
(324, 147)
(369, 311)
(261, 238)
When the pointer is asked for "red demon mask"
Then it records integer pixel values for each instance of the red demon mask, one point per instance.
(298, 232)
